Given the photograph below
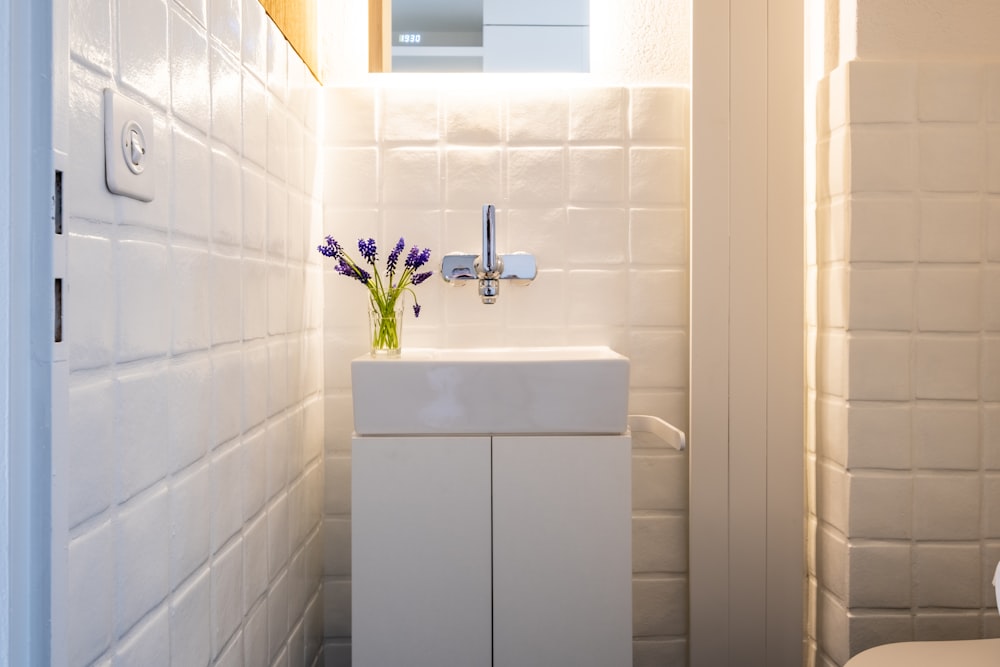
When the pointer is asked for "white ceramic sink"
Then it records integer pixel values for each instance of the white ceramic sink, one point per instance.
(540, 390)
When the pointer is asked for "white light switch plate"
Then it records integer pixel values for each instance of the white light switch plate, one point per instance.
(128, 147)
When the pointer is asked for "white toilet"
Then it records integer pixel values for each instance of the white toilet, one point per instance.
(968, 653)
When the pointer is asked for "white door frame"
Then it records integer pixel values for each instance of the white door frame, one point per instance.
(26, 304)
(747, 331)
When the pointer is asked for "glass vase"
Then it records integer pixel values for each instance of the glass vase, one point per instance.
(385, 331)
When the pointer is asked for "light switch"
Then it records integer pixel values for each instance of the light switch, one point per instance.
(128, 147)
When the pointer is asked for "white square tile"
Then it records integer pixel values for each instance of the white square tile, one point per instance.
(948, 299)
(227, 198)
(197, 9)
(658, 176)
(295, 153)
(90, 33)
(254, 126)
(277, 369)
(141, 558)
(254, 31)
(881, 299)
(227, 579)
(225, 295)
(659, 544)
(946, 367)
(224, 22)
(535, 176)
(337, 547)
(190, 619)
(659, 359)
(991, 506)
(189, 72)
(277, 219)
(227, 390)
(227, 488)
(255, 577)
(952, 158)
(879, 435)
(91, 418)
(950, 230)
(658, 298)
(659, 114)
(89, 313)
(950, 92)
(254, 476)
(471, 117)
(192, 177)
(881, 505)
(658, 236)
(883, 230)
(351, 176)
(277, 140)
(143, 322)
(277, 291)
(254, 387)
(412, 176)
(991, 436)
(410, 114)
(227, 100)
(659, 607)
(946, 437)
(189, 410)
(946, 506)
(993, 230)
(882, 92)
(538, 117)
(596, 174)
(190, 321)
(991, 298)
(140, 430)
(993, 158)
(879, 367)
(884, 159)
(86, 193)
(277, 614)
(349, 114)
(277, 61)
(596, 236)
(142, 54)
(254, 299)
(947, 575)
(879, 575)
(190, 527)
(89, 606)
(148, 643)
(598, 114)
(472, 176)
(255, 638)
(990, 390)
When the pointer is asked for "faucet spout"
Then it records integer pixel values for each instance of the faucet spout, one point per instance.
(489, 256)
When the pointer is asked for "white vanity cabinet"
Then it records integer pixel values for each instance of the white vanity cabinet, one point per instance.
(512, 551)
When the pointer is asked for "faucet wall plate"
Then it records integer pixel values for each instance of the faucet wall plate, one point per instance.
(128, 147)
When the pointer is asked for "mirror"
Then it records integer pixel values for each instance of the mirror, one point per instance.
(480, 36)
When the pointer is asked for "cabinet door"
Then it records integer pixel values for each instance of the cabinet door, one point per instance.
(562, 563)
(420, 574)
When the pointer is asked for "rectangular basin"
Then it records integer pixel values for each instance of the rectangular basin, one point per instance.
(536, 390)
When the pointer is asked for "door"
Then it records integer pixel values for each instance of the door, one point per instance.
(562, 575)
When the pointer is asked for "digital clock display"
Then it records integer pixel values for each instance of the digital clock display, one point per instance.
(409, 38)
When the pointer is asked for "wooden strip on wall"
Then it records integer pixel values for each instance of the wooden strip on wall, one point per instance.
(297, 21)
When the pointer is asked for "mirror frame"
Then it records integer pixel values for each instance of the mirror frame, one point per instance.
(379, 36)
(297, 20)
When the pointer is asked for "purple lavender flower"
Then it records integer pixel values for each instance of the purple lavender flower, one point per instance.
(356, 272)
(331, 249)
(390, 263)
(416, 310)
(417, 257)
(368, 250)
(420, 277)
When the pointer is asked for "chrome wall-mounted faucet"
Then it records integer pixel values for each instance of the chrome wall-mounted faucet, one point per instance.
(489, 268)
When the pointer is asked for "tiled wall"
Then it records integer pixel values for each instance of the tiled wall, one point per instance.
(194, 479)
(907, 464)
(594, 182)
